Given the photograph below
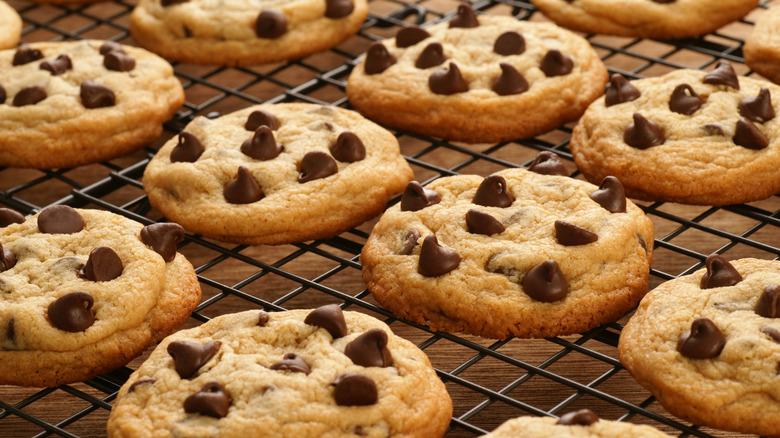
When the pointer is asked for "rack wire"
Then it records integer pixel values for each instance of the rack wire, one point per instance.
(489, 381)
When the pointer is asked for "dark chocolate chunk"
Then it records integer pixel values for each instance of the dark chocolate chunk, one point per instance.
(29, 96)
(448, 81)
(545, 282)
(431, 56)
(569, 234)
(353, 389)
(141, 381)
(758, 108)
(409, 36)
(316, 165)
(768, 304)
(262, 145)
(7, 259)
(769, 331)
(479, 222)
(9, 216)
(348, 148)
(610, 195)
(684, 100)
(510, 81)
(189, 356)
(720, 273)
(703, 341)
(749, 136)
(188, 149)
(370, 349)
(378, 58)
(163, 238)
(212, 400)
(330, 317)
(555, 63)
(72, 312)
(260, 118)
(262, 319)
(338, 8)
(416, 197)
(436, 260)
(166, 3)
(582, 417)
(620, 90)
(548, 163)
(493, 192)
(94, 95)
(643, 133)
(713, 129)
(270, 23)
(464, 17)
(410, 242)
(292, 362)
(103, 264)
(60, 219)
(25, 54)
(111, 46)
(118, 61)
(723, 74)
(509, 43)
(57, 66)
(243, 189)
(3, 95)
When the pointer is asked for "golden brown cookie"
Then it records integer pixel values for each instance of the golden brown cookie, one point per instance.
(11, 25)
(581, 423)
(762, 46)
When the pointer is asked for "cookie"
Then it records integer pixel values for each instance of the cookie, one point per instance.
(581, 423)
(478, 78)
(247, 32)
(64, 104)
(11, 23)
(272, 174)
(761, 46)
(516, 253)
(664, 19)
(300, 373)
(707, 345)
(689, 136)
(85, 291)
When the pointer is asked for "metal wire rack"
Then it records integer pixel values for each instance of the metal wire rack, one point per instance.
(489, 381)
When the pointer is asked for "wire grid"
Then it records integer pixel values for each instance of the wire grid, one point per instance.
(489, 381)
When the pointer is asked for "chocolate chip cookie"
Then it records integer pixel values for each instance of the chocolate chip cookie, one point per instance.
(64, 104)
(272, 174)
(516, 253)
(707, 345)
(11, 25)
(301, 373)
(581, 423)
(246, 32)
(85, 291)
(762, 46)
(478, 78)
(689, 136)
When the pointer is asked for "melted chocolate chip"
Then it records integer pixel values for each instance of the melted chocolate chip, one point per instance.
(555, 63)
(103, 264)
(479, 222)
(713, 129)
(316, 165)
(509, 43)
(118, 61)
(111, 46)
(94, 95)
(510, 81)
(29, 96)
(684, 100)
(620, 90)
(262, 145)
(188, 149)
(493, 192)
(448, 81)
(189, 356)
(338, 8)
(7, 259)
(3, 95)
(643, 133)
(545, 282)
(292, 362)
(569, 234)
(57, 66)
(243, 189)
(60, 219)
(262, 319)
(163, 238)
(352, 389)
(409, 36)
(749, 136)
(723, 74)
(348, 148)
(212, 400)
(270, 23)
(25, 54)
(141, 381)
(416, 197)
(548, 163)
(329, 317)
(465, 17)
(769, 331)
(610, 195)
(758, 108)
(410, 242)
(9, 216)
(436, 260)
(703, 341)
(582, 417)
(166, 3)
(370, 349)
(431, 56)
(720, 273)
(72, 312)
(260, 118)
(378, 59)
(768, 304)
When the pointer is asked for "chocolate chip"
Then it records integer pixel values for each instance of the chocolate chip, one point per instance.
(416, 197)
(316, 165)
(7, 259)
(166, 3)
(262, 145)
(548, 163)
(243, 189)
(118, 61)
(3, 95)
(338, 8)
(29, 96)
(509, 43)
(57, 66)
(723, 74)
(163, 238)
(72, 312)
(111, 46)
(431, 56)
(292, 362)
(262, 319)
(60, 219)
(769, 331)
(684, 100)
(620, 90)
(25, 54)
(9, 216)
(189, 356)
(378, 59)
(569, 234)
(436, 260)
(329, 317)
(370, 349)
(768, 304)
(103, 264)
(610, 195)
(271, 23)
(188, 149)
(720, 273)
(409, 36)
(493, 192)
(352, 389)
(510, 81)
(758, 108)
(464, 17)
(260, 118)
(582, 417)
(713, 129)
(94, 95)
(555, 63)
(545, 282)
(212, 400)
(141, 381)
(447, 81)
(643, 133)
(479, 222)
(703, 341)
(348, 148)
(410, 242)
(749, 136)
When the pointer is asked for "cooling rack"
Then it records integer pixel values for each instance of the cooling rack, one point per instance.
(489, 381)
